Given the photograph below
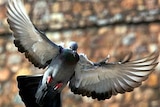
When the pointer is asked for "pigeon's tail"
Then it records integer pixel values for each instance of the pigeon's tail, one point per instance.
(28, 86)
(46, 92)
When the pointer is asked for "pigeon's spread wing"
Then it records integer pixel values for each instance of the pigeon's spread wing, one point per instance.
(29, 40)
(103, 80)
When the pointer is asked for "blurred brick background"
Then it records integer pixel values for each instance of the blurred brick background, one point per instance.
(100, 27)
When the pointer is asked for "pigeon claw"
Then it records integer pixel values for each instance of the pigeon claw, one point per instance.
(59, 85)
(49, 79)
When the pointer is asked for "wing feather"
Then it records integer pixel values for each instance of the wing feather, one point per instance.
(29, 40)
(102, 80)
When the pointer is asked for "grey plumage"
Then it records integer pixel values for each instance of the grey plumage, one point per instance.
(98, 80)
(61, 69)
(103, 79)
(40, 50)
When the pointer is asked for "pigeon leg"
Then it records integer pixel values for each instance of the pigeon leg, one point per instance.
(59, 85)
(49, 79)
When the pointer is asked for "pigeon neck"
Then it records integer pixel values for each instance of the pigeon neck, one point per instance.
(69, 56)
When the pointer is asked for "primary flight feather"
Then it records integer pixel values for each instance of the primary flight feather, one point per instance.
(98, 80)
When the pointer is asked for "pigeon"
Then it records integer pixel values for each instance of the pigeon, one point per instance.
(99, 80)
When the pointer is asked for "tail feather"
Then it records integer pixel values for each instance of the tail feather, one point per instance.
(28, 86)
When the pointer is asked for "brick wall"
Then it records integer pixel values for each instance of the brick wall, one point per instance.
(100, 28)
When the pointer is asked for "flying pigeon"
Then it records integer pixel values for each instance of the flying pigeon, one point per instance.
(98, 80)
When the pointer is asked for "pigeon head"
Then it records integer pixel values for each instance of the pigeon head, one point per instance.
(73, 45)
